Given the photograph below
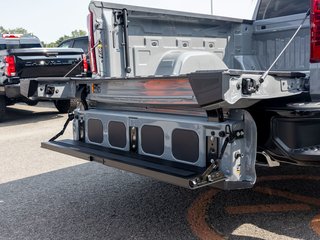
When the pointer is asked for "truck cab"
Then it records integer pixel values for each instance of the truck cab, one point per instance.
(12, 41)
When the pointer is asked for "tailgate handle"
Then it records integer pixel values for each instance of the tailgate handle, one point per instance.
(51, 54)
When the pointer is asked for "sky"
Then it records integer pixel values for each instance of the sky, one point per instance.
(51, 19)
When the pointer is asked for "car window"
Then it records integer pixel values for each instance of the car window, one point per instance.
(33, 45)
(15, 46)
(279, 8)
(66, 44)
(81, 43)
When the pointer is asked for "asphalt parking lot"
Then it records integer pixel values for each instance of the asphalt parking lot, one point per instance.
(46, 195)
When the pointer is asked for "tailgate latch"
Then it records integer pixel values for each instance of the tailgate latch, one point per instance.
(249, 86)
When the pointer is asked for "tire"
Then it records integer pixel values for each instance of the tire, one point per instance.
(32, 103)
(2, 108)
(65, 106)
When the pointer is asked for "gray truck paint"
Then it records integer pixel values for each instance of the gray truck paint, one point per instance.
(230, 56)
(159, 39)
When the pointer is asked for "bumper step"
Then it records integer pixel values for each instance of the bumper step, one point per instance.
(177, 174)
(308, 154)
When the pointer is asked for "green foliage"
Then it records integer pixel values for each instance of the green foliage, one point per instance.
(2, 30)
(19, 31)
(60, 40)
(50, 45)
(14, 30)
(75, 33)
(78, 33)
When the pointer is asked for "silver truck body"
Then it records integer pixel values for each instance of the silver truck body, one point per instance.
(160, 41)
(180, 97)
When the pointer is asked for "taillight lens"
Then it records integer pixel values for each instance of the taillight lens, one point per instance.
(10, 66)
(85, 63)
(12, 35)
(93, 61)
(315, 31)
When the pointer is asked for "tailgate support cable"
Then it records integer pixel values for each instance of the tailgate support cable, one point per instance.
(70, 118)
(82, 59)
(265, 74)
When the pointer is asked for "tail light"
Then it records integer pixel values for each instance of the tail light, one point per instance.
(12, 35)
(10, 66)
(315, 31)
(85, 63)
(93, 60)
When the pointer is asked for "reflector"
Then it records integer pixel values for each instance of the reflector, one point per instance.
(93, 61)
(315, 31)
(8, 35)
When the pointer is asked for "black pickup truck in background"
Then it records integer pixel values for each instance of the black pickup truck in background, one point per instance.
(22, 57)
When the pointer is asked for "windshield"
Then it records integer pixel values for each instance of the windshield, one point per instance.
(280, 8)
(14, 46)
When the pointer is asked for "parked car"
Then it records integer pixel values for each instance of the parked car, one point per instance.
(77, 42)
(22, 57)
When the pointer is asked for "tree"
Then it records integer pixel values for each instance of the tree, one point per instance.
(78, 33)
(18, 30)
(75, 33)
(49, 45)
(61, 39)
(2, 30)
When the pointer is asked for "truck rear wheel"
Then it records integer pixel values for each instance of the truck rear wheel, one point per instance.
(65, 106)
(32, 103)
(2, 107)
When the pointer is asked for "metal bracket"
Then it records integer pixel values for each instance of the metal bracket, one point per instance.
(212, 148)
(212, 174)
(133, 131)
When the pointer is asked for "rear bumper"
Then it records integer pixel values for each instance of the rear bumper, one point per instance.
(12, 91)
(2, 90)
(48, 88)
(296, 139)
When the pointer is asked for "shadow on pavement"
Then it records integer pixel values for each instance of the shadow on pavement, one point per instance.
(288, 190)
(17, 116)
(91, 201)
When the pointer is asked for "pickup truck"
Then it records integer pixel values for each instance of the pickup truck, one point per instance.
(22, 57)
(198, 100)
